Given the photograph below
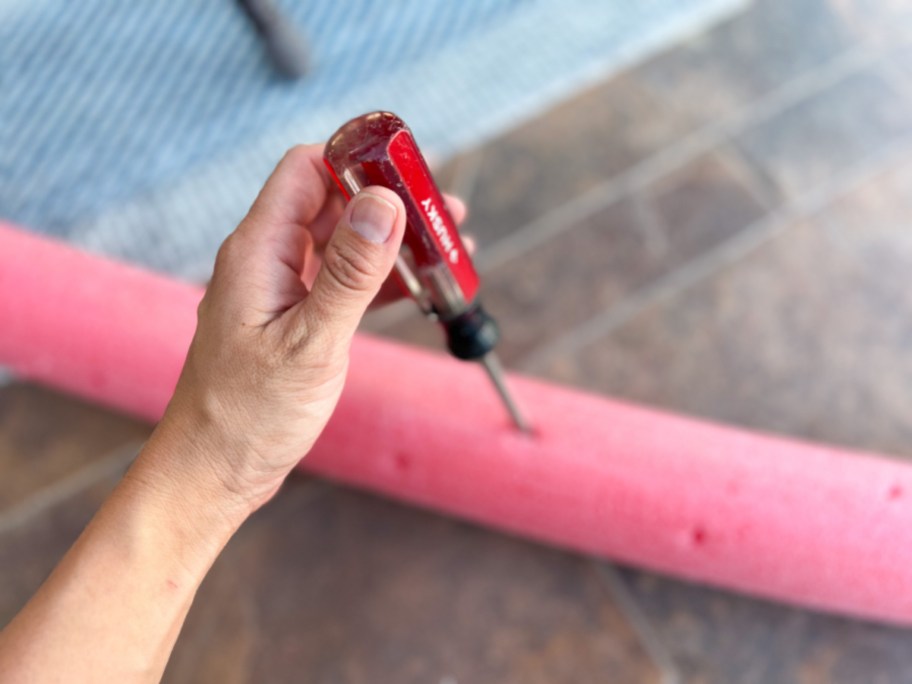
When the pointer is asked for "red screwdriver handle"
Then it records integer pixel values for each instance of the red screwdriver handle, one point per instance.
(378, 149)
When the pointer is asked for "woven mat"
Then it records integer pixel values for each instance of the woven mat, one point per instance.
(143, 129)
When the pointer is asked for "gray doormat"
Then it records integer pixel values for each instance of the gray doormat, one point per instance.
(144, 129)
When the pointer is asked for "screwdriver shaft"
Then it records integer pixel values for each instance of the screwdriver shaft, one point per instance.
(492, 365)
(377, 148)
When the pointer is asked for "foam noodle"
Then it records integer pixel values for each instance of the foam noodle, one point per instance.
(771, 517)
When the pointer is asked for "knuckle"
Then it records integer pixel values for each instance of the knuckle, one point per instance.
(292, 343)
(227, 252)
(351, 269)
(233, 253)
(296, 156)
(321, 331)
(202, 308)
(313, 345)
(297, 151)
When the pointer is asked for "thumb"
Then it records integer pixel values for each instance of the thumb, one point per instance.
(356, 262)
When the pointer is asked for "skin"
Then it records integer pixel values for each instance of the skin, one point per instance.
(262, 377)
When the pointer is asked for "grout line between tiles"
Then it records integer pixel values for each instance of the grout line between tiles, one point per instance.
(755, 179)
(652, 227)
(723, 255)
(674, 156)
(642, 627)
(652, 168)
(60, 491)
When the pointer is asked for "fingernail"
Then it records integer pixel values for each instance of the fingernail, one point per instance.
(373, 217)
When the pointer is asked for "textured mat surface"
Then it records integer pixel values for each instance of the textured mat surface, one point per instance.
(143, 130)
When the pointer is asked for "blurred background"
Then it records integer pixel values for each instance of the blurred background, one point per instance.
(699, 205)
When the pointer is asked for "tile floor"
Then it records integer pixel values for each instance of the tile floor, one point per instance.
(721, 231)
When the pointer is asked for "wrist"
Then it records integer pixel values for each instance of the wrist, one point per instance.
(242, 458)
(176, 485)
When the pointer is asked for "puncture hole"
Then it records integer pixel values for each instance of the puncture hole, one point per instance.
(531, 433)
(402, 462)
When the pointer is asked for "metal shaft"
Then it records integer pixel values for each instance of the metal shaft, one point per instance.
(492, 365)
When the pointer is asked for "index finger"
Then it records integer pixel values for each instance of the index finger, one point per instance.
(296, 190)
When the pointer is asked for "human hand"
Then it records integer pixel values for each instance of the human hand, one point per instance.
(263, 374)
(269, 358)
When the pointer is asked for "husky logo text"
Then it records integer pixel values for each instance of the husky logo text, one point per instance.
(440, 230)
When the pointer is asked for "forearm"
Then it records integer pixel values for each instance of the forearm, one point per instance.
(262, 377)
(112, 609)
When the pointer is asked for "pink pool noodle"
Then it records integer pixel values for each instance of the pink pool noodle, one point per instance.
(768, 516)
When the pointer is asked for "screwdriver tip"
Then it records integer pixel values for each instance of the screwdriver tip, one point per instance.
(492, 365)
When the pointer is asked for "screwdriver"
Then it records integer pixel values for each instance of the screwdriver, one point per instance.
(433, 265)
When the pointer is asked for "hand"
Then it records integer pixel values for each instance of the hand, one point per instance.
(263, 374)
(269, 358)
